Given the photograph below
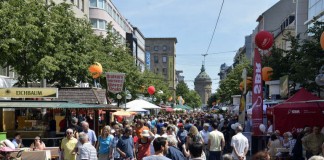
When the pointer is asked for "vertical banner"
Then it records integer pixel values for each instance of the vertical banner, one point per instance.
(243, 100)
(115, 82)
(257, 96)
(148, 60)
(284, 83)
(171, 71)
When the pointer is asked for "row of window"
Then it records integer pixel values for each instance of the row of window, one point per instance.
(157, 48)
(156, 59)
(102, 25)
(102, 4)
(164, 71)
(78, 3)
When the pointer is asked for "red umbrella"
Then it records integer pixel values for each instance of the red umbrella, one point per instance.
(169, 109)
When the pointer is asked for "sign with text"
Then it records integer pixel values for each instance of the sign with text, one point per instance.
(29, 92)
(257, 96)
(148, 60)
(115, 82)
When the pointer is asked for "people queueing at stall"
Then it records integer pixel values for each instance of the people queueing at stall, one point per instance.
(181, 136)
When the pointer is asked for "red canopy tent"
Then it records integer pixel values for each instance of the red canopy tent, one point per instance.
(300, 110)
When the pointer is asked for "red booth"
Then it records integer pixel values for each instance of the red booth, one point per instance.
(300, 110)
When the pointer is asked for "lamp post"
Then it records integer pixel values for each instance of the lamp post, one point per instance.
(119, 97)
(127, 97)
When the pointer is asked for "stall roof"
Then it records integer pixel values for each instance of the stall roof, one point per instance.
(47, 104)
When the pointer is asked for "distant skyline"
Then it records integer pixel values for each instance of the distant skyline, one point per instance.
(192, 23)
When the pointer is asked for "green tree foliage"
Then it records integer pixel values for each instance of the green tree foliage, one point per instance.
(211, 99)
(230, 85)
(302, 62)
(190, 97)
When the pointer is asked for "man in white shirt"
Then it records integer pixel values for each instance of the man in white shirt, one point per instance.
(240, 144)
(205, 135)
(86, 151)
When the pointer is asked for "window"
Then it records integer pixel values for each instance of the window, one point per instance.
(82, 5)
(93, 3)
(164, 70)
(156, 48)
(101, 4)
(156, 59)
(102, 24)
(164, 59)
(147, 48)
(164, 48)
(93, 23)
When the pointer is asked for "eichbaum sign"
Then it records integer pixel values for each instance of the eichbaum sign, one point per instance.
(115, 82)
(29, 92)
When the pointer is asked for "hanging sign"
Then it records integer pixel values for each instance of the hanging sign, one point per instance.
(29, 92)
(115, 82)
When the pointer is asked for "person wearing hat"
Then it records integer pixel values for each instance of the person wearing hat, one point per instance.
(181, 135)
(143, 144)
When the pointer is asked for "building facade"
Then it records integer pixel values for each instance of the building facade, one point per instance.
(179, 77)
(136, 43)
(315, 12)
(224, 70)
(79, 7)
(203, 85)
(102, 13)
(162, 53)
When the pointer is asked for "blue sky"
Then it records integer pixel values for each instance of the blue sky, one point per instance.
(192, 23)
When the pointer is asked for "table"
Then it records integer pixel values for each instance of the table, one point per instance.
(35, 155)
(55, 153)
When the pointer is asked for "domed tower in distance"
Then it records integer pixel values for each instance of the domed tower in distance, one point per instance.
(203, 85)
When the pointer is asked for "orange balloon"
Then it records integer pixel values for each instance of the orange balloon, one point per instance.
(249, 82)
(267, 72)
(322, 40)
(95, 70)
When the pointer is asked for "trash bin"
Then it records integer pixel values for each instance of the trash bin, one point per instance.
(3, 136)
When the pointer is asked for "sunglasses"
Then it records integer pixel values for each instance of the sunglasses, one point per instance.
(69, 133)
(37, 139)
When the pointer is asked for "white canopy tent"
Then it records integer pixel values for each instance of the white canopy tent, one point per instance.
(139, 103)
(136, 109)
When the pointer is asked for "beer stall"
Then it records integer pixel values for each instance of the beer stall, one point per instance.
(29, 110)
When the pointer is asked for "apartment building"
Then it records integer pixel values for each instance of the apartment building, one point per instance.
(103, 12)
(162, 53)
(136, 44)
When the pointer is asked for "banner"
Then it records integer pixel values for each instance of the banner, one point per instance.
(148, 60)
(284, 83)
(171, 71)
(257, 96)
(29, 92)
(115, 82)
(242, 110)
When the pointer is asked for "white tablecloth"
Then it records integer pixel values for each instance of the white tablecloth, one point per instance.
(35, 155)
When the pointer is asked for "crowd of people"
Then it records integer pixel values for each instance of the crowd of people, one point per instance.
(191, 136)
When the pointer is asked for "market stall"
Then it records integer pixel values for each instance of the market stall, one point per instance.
(300, 110)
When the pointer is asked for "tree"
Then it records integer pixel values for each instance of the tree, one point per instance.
(230, 85)
(190, 97)
(23, 37)
(302, 61)
(213, 98)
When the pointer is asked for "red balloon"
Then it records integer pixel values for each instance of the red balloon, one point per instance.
(151, 90)
(264, 40)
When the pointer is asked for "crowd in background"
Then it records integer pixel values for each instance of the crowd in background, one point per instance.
(191, 136)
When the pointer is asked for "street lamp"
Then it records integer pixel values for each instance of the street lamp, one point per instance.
(119, 97)
(128, 97)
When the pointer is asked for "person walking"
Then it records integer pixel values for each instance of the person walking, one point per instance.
(240, 145)
(114, 154)
(86, 151)
(125, 145)
(160, 147)
(104, 142)
(205, 135)
(91, 134)
(216, 143)
(143, 144)
(173, 152)
(313, 142)
(67, 146)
